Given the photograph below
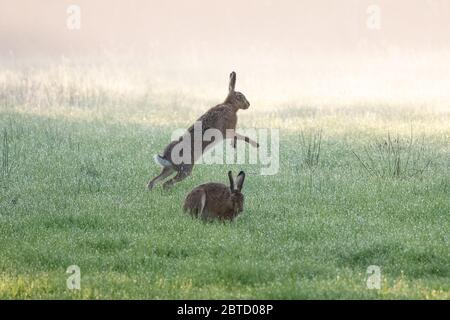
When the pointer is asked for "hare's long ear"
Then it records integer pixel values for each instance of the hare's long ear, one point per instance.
(240, 180)
(232, 82)
(230, 176)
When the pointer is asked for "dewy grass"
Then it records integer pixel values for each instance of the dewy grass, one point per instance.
(5, 154)
(310, 147)
(7, 164)
(398, 157)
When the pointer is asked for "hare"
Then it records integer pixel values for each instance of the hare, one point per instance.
(222, 117)
(215, 200)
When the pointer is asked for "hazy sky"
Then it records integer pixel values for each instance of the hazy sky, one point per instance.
(30, 27)
(321, 52)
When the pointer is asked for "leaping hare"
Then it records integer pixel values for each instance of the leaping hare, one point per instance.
(222, 117)
(216, 200)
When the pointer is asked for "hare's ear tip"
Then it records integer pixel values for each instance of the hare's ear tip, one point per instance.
(241, 172)
(229, 172)
(232, 81)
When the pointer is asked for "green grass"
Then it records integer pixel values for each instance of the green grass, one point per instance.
(72, 191)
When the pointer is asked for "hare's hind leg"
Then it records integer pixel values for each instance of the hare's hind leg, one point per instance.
(166, 171)
(195, 203)
(184, 172)
(201, 207)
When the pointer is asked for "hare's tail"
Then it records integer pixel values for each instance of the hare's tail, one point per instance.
(162, 161)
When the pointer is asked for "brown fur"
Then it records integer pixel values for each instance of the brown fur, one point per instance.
(215, 200)
(222, 117)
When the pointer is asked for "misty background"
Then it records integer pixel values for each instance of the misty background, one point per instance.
(320, 51)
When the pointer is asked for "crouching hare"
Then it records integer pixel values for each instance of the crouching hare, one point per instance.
(215, 200)
(222, 117)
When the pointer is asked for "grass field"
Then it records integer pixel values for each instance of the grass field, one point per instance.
(76, 157)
